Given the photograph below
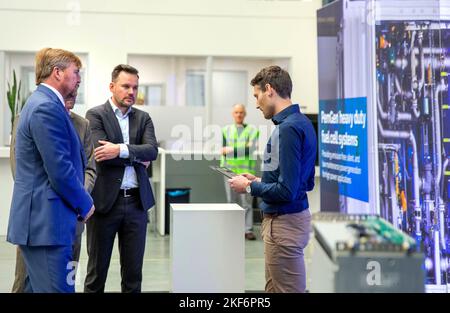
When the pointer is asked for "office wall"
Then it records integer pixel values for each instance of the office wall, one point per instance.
(171, 71)
(108, 32)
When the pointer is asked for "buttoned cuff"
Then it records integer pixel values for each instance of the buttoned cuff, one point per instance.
(124, 153)
(256, 188)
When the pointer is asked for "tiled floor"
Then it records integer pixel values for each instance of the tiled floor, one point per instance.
(156, 271)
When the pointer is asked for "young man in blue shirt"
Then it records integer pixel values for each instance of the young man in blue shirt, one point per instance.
(288, 173)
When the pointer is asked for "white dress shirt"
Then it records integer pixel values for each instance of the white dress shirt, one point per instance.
(129, 177)
(60, 97)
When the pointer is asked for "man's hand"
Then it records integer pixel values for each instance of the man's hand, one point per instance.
(227, 150)
(239, 183)
(106, 151)
(251, 177)
(91, 211)
(145, 163)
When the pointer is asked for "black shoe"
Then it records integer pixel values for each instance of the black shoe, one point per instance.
(250, 236)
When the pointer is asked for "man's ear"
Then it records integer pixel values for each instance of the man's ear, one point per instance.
(111, 86)
(57, 73)
(269, 90)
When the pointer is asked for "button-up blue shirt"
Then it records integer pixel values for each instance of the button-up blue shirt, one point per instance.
(129, 176)
(289, 161)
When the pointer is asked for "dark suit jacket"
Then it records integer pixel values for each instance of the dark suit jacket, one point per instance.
(142, 147)
(50, 162)
(84, 131)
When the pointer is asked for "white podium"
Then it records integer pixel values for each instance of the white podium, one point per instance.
(207, 248)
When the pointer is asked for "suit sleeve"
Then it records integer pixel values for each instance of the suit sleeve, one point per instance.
(148, 149)
(90, 173)
(99, 133)
(12, 148)
(52, 140)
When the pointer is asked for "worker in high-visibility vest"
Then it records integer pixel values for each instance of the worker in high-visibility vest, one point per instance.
(239, 144)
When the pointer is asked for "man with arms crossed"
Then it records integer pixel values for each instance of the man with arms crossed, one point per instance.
(125, 143)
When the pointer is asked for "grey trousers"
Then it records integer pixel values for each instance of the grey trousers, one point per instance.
(284, 238)
(245, 201)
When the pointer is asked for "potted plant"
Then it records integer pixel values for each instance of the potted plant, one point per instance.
(15, 102)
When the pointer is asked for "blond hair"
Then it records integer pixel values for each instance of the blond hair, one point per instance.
(47, 59)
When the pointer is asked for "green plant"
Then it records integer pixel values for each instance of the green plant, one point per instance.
(14, 101)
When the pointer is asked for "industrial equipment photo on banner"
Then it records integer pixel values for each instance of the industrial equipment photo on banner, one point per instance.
(396, 54)
(414, 134)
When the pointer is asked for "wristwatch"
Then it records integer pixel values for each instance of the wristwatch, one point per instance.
(248, 188)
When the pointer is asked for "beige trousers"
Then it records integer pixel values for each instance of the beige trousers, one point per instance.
(285, 237)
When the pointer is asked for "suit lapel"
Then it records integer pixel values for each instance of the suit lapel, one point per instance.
(78, 133)
(132, 125)
(112, 120)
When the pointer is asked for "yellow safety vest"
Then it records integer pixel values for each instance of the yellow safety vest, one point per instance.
(242, 160)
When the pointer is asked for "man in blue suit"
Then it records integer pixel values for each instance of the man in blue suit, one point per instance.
(49, 194)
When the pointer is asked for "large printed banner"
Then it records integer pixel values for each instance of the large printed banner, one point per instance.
(413, 139)
(343, 155)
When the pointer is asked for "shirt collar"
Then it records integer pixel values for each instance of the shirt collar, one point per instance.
(117, 111)
(56, 92)
(280, 116)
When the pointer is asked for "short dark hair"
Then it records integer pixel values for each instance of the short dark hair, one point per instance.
(277, 78)
(123, 68)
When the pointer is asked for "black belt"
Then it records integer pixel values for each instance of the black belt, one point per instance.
(126, 193)
(272, 215)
